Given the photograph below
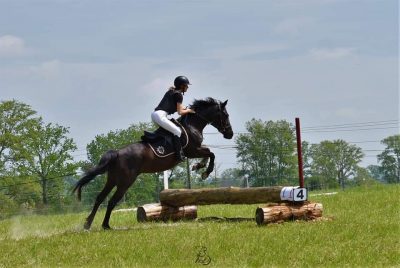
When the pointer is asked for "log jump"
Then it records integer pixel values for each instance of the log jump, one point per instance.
(181, 204)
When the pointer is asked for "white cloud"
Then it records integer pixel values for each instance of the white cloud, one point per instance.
(12, 46)
(331, 53)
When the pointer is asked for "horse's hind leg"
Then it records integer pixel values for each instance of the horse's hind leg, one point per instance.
(119, 193)
(99, 199)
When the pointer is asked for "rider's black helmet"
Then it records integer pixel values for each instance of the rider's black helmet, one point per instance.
(181, 80)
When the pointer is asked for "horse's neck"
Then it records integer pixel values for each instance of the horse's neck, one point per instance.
(197, 123)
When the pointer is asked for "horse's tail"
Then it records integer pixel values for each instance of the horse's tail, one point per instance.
(101, 168)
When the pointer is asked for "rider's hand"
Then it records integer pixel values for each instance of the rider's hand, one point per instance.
(190, 110)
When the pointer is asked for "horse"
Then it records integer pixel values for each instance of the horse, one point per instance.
(124, 165)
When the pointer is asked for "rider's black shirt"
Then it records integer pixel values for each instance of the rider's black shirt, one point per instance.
(169, 101)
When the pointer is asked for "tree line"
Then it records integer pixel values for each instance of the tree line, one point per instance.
(37, 168)
(268, 156)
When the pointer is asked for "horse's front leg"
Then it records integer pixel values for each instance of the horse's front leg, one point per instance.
(200, 164)
(205, 153)
(210, 167)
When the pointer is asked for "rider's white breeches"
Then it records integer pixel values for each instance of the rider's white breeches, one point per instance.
(160, 118)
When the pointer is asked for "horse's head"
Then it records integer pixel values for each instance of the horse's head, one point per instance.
(221, 120)
(214, 113)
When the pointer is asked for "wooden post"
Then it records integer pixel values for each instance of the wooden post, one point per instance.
(275, 213)
(158, 212)
(189, 185)
(165, 177)
(225, 195)
(299, 153)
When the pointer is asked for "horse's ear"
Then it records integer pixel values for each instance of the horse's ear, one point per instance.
(224, 103)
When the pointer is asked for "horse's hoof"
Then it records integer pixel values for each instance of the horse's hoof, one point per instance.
(195, 167)
(86, 226)
(106, 227)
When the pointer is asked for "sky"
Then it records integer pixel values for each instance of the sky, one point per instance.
(98, 66)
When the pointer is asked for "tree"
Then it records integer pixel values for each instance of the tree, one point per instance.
(390, 159)
(307, 159)
(267, 152)
(335, 161)
(376, 172)
(234, 177)
(46, 157)
(15, 120)
(146, 187)
(311, 181)
(115, 140)
(34, 157)
(323, 168)
(363, 177)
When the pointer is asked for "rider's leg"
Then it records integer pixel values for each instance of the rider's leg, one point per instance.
(178, 148)
(160, 118)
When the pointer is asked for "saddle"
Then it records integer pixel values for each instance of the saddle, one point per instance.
(160, 141)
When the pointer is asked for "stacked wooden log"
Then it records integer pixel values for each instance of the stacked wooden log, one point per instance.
(159, 212)
(224, 195)
(275, 213)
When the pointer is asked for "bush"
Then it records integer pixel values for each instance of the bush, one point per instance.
(7, 206)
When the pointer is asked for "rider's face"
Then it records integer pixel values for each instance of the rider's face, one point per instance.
(184, 88)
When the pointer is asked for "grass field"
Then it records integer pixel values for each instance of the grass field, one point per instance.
(363, 230)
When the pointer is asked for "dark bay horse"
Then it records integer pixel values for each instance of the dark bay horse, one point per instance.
(124, 165)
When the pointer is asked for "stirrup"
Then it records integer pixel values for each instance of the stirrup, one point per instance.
(180, 156)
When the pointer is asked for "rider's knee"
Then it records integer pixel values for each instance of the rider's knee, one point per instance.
(178, 132)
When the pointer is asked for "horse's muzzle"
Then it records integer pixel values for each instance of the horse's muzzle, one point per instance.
(228, 134)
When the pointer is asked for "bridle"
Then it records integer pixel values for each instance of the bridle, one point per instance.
(210, 122)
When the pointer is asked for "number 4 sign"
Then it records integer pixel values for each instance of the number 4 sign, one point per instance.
(294, 194)
(300, 194)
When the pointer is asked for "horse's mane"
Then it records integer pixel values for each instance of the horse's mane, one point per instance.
(201, 104)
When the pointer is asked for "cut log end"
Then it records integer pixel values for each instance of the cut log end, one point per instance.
(259, 216)
(141, 215)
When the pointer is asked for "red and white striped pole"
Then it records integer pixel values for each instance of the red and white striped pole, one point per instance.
(299, 154)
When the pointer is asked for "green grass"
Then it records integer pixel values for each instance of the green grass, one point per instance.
(363, 231)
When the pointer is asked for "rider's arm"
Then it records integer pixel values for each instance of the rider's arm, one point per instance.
(183, 110)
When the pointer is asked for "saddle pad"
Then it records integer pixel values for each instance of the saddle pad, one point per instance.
(163, 147)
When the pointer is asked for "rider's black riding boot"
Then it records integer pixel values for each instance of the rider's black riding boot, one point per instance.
(178, 148)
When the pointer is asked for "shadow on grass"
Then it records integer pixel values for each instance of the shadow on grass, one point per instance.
(224, 219)
(156, 224)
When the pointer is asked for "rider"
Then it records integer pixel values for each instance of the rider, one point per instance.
(171, 103)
